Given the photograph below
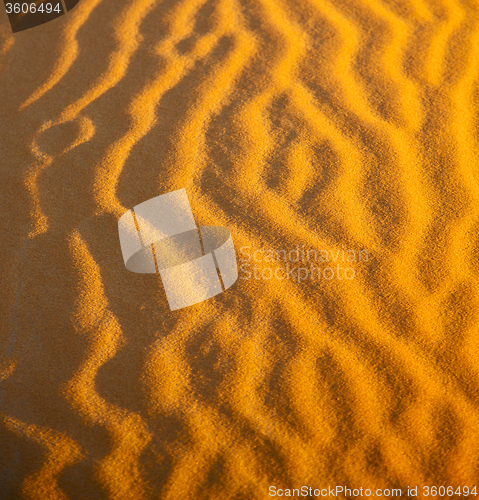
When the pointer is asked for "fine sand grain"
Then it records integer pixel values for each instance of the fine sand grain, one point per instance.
(332, 125)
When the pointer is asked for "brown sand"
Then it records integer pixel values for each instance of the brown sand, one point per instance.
(333, 124)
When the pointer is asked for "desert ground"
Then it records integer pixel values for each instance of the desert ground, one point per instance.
(332, 127)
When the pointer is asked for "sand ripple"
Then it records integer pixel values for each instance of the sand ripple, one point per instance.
(329, 124)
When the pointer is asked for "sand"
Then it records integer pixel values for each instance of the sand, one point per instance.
(332, 125)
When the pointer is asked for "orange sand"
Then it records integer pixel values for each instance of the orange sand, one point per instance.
(325, 123)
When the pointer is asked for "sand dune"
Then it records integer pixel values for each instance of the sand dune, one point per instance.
(331, 125)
